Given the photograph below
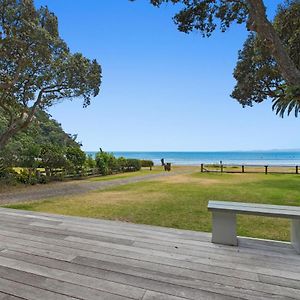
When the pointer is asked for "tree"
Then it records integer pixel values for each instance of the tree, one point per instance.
(37, 68)
(76, 157)
(205, 15)
(53, 157)
(257, 73)
(24, 149)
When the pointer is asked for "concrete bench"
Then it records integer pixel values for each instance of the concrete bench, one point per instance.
(224, 219)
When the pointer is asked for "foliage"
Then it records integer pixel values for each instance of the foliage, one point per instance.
(106, 162)
(133, 165)
(53, 157)
(257, 73)
(76, 157)
(26, 176)
(206, 15)
(147, 163)
(122, 162)
(29, 156)
(24, 149)
(8, 176)
(90, 162)
(37, 67)
(268, 66)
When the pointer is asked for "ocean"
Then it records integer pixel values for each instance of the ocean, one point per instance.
(276, 158)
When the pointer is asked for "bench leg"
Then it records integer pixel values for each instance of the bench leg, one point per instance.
(224, 228)
(295, 234)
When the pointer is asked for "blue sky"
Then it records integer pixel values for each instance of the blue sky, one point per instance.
(162, 89)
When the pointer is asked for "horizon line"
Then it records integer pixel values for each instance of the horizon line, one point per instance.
(254, 150)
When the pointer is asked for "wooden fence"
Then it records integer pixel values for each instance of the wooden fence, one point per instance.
(266, 169)
(64, 174)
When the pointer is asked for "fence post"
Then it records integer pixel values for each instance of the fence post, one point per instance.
(201, 168)
(221, 168)
(266, 169)
(243, 169)
(297, 170)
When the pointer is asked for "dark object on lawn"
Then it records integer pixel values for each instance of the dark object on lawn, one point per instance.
(147, 163)
(167, 167)
(162, 161)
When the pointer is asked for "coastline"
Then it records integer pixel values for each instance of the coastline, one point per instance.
(278, 158)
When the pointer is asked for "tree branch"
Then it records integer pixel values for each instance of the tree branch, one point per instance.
(259, 23)
(33, 110)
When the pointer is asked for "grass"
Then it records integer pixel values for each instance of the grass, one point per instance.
(4, 188)
(180, 201)
(143, 171)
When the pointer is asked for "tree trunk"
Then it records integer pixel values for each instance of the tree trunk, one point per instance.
(259, 23)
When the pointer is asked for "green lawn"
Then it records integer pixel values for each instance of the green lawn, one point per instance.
(143, 171)
(180, 201)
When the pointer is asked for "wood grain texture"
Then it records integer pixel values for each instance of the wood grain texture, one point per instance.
(44, 256)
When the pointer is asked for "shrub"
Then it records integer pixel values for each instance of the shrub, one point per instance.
(106, 163)
(8, 176)
(121, 163)
(90, 162)
(133, 165)
(147, 163)
(76, 158)
(27, 177)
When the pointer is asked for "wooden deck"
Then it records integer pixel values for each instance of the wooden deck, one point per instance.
(55, 257)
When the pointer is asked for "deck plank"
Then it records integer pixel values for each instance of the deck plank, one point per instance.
(173, 246)
(62, 287)
(29, 292)
(173, 275)
(4, 296)
(45, 256)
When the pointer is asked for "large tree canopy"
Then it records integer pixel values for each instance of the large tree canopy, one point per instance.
(257, 72)
(24, 148)
(278, 45)
(37, 68)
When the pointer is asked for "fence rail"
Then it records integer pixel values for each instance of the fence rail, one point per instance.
(245, 168)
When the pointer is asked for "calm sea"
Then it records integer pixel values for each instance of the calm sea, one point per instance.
(195, 158)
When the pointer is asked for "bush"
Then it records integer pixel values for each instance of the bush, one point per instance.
(121, 163)
(90, 162)
(133, 165)
(43, 179)
(8, 176)
(76, 158)
(106, 163)
(147, 163)
(27, 177)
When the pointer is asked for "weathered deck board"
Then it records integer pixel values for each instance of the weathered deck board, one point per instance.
(256, 209)
(44, 256)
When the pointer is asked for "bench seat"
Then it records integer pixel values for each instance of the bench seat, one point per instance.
(224, 219)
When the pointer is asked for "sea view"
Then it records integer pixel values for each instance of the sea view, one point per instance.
(278, 158)
(149, 149)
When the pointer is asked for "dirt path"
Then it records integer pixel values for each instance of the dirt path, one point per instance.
(36, 193)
